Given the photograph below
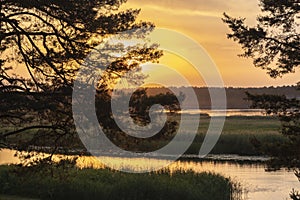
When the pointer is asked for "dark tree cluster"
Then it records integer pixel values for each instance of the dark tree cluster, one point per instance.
(50, 38)
(274, 45)
(139, 111)
(48, 41)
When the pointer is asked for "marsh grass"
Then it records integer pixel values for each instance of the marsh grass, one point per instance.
(106, 184)
(238, 135)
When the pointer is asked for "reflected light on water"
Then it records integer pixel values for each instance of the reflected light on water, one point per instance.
(257, 184)
(254, 179)
(8, 157)
(120, 163)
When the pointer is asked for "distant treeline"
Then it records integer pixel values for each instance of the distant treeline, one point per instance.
(236, 97)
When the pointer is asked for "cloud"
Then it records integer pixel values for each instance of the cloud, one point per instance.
(201, 20)
(202, 7)
(184, 12)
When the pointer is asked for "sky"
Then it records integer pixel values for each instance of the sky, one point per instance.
(201, 21)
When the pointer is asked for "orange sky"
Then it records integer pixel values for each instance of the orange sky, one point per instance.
(201, 20)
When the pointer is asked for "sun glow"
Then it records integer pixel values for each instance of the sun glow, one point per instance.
(201, 20)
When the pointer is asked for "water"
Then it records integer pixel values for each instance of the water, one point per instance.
(257, 183)
(228, 112)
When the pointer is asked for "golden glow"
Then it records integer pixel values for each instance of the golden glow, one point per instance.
(7, 157)
(201, 20)
(183, 67)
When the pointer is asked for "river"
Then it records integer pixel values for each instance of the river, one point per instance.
(256, 182)
(227, 112)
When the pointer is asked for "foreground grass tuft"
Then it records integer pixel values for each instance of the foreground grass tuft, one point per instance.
(106, 184)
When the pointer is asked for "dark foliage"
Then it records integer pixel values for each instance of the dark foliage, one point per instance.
(274, 45)
(50, 40)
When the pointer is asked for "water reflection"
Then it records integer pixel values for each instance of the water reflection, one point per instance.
(258, 183)
(228, 112)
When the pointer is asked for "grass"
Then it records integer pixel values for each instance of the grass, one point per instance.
(236, 136)
(105, 184)
(13, 197)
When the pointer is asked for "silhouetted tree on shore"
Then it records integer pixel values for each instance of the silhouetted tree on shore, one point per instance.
(274, 45)
(49, 41)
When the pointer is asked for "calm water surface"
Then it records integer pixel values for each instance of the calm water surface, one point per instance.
(228, 112)
(258, 184)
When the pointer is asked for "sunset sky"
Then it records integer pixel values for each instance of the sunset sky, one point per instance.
(201, 20)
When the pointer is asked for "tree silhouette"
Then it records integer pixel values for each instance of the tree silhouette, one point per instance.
(50, 40)
(274, 45)
(139, 112)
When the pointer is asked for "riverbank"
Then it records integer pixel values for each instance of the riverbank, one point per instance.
(256, 182)
(87, 183)
(237, 137)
